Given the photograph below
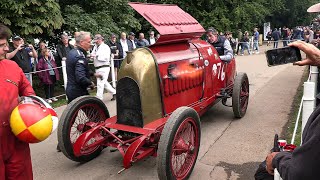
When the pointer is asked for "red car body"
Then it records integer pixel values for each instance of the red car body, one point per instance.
(181, 74)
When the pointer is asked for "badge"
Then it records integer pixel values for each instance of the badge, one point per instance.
(206, 63)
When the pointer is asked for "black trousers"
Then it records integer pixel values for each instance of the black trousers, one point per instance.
(49, 88)
(238, 48)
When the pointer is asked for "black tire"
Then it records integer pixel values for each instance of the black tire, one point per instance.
(68, 118)
(240, 95)
(180, 117)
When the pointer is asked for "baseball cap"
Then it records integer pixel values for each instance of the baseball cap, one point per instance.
(113, 35)
(16, 37)
(131, 34)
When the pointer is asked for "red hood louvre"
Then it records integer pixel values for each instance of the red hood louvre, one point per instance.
(170, 21)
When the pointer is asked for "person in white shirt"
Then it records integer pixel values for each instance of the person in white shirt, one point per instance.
(152, 39)
(124, 44)
(101, 55)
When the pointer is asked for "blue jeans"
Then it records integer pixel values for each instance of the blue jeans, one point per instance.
(256, 45)
(245, 46)
(275, 44)
(29, 77)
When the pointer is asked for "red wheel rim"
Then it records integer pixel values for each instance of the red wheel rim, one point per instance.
(184, 149)
(85, 114)
(244, 95)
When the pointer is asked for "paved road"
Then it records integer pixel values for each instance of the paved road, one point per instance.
(230, 148)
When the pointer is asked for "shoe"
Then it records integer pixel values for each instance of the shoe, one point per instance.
(49, 101)
(58, 148)
(113, 97)
(54, 99)
(257, 52)
(241, 54)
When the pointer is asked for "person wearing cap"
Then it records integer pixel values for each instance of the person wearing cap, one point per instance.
(101, 55)
(132, 40)
(20, 55)
(15, 159)
(221, 44)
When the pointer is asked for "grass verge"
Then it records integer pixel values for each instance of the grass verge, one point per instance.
(288, 129)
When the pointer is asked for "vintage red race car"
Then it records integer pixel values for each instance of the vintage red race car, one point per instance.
(161, 92)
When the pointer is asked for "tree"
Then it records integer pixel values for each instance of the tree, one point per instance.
(31, 17)
(99, 16)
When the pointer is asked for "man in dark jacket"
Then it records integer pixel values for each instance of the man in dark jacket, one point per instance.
(276, 37)
(78, 71)
(304, 162)
(133, 40)
(142, 42)
(63, 49)
(221, 44)
(21, 55)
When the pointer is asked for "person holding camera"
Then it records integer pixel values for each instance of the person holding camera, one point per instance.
(20, 55)
(304, 161)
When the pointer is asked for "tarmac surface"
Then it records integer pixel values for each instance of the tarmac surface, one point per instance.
(230, 148)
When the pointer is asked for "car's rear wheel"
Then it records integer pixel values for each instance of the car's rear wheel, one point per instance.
(240, 95)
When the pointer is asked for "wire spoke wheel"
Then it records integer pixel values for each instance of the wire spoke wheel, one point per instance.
(81, 115)
(179, 144)
(80, 123)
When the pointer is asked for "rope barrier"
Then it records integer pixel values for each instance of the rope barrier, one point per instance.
(61, 67)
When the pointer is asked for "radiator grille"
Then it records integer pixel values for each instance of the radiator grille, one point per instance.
(129, 103)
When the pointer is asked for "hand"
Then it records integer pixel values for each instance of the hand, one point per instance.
(269, 159)
(312, 52)
(97, 75)
(21, 46)
(92, 86)
(31, 46)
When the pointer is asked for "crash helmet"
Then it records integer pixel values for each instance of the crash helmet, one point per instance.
(33, 120)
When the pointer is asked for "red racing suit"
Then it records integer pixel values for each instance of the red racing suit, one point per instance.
(15, 160)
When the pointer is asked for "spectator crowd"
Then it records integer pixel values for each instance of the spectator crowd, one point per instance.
(47, 63)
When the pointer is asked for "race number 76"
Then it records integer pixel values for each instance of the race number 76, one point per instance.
(219, 69)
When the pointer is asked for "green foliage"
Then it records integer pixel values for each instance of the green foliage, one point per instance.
(99, 16)
(31, 17)
(295, 13)
(48, 18)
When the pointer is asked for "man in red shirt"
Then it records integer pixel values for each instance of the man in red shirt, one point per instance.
(15, 160)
